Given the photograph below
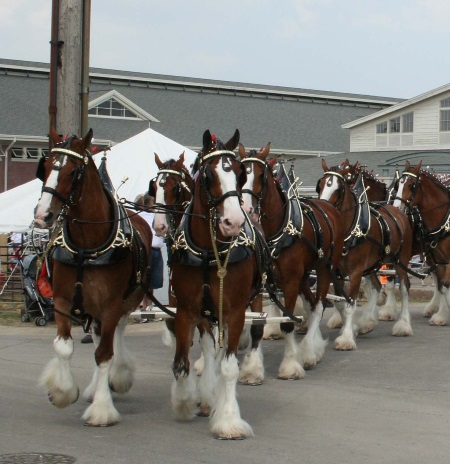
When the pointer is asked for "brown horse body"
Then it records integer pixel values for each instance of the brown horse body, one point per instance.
(316, 246)
(214, 220)
(418, 188)
(376, 247)
(72, 184)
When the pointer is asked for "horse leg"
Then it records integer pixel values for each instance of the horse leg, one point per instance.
(226, 422)
(432, 306)
(272, 329)
(302, 308)
(57, 376)
(89, 391)
(402, 328)
(102, 411)
(388, 312)
(184, 388)
(121, 374)
(207, 382)
(168, 334)
(346, 340)
(290, 367)
(368, 319)
(252, 369)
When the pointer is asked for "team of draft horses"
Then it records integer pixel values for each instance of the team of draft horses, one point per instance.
(235, 227)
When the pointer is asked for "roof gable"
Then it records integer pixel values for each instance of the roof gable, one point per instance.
(117, 96)
(397, 107)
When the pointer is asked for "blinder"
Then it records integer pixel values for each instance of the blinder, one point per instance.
(152, 187)
(40, 170)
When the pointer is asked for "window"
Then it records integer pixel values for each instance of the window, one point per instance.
(445, 120)
(27, 153)
(445, 115)
(408, 122)
(112, 108)
(382, 128)
(394, 125)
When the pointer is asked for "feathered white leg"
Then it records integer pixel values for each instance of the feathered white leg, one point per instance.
(402, 328)
(121, 374)
(252, 368)
(57, 376)
(312, 347)
(433, 306)
(272, 330)
(368, 319)
(226, 421)
(346, 340)
(102, 411)
(388, 312)
(185, 396)
(290, 368)
(441, 317)
(207, 382)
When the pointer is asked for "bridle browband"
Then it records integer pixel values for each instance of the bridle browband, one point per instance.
(205, 175)
(56, 166)
(257, 196)
(413, 187)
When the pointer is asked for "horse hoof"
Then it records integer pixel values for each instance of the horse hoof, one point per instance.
(249, 383)
(228, 437)
(88, 424)
(279, 377)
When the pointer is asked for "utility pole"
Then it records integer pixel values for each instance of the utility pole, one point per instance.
(69, 66)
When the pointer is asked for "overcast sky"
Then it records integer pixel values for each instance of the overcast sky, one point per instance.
(389, 48)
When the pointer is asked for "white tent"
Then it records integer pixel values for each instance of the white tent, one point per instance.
(132, 158)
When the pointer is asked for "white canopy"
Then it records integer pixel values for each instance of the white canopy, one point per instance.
(132, 158)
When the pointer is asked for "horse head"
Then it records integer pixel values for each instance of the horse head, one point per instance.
(62, 173)
(331, 186)
(221, 177)
(172, 191)
(407, 186)
(256, 170)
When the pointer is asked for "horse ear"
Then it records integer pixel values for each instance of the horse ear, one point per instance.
(324, 165)
(417, 168)
(54, 136)
(233, 142)
(242, 154)
(158, 162)
(265, 152)
(180, 162)
(206, 140)
(407, 165)
(88, 139)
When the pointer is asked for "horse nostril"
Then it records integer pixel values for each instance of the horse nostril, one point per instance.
(227, 222)
(48, 217)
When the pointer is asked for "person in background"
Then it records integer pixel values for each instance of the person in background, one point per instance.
(156, 278)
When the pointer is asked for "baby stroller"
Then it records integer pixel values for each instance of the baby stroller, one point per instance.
(36, 305)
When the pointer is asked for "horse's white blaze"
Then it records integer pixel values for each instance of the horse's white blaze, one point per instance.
(397, 202)
(44, 202)
(160, 221)
(232, 217)
(328, 190)
(246, 197)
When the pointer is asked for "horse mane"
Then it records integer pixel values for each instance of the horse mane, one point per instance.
(435, 178)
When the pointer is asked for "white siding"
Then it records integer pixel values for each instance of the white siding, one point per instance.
(426, 134)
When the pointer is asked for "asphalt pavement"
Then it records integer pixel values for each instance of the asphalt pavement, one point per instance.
(386, 402)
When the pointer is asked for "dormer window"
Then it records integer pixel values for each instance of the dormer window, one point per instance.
(115, 105)
(112, 108)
